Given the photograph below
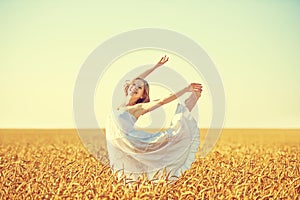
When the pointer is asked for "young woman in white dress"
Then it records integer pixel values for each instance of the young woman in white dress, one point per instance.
(135, 152)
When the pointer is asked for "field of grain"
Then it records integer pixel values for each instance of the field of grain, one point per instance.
(245, 164)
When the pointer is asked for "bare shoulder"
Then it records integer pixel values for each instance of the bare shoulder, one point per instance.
(139, 109)
(147, 107)
(135, 110)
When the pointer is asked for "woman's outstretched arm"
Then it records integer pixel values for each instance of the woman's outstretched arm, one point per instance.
(162, 61)
(147, 107)
(143, 75)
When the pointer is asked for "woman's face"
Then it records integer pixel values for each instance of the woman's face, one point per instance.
(136, 89)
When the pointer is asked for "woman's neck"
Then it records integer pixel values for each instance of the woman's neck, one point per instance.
(130, 102)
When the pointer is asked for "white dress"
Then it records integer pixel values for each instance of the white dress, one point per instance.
(135, 152)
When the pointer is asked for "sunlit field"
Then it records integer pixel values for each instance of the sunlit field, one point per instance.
(245, 164)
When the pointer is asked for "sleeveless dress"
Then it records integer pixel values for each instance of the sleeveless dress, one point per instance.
(135, 152)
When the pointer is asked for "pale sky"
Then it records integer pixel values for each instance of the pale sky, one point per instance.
(255, 46)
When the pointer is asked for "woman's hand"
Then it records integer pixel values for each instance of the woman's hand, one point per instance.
(194, 87)
(162, 61)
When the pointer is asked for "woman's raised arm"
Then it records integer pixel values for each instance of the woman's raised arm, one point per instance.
(143, 75)
(161, 62)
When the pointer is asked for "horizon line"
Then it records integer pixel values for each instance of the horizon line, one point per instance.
(270, 128)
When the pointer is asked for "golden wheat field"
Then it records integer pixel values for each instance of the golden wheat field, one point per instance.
(245, 164)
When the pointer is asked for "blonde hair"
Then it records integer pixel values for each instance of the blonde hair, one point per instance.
(146, 97)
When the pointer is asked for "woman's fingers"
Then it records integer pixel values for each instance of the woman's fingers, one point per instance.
(163, 60)
(196, 87)
(166, 58)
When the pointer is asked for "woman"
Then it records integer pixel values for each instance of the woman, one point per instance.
(135, 151)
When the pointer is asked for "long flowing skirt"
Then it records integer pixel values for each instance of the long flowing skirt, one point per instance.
(136, 152)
